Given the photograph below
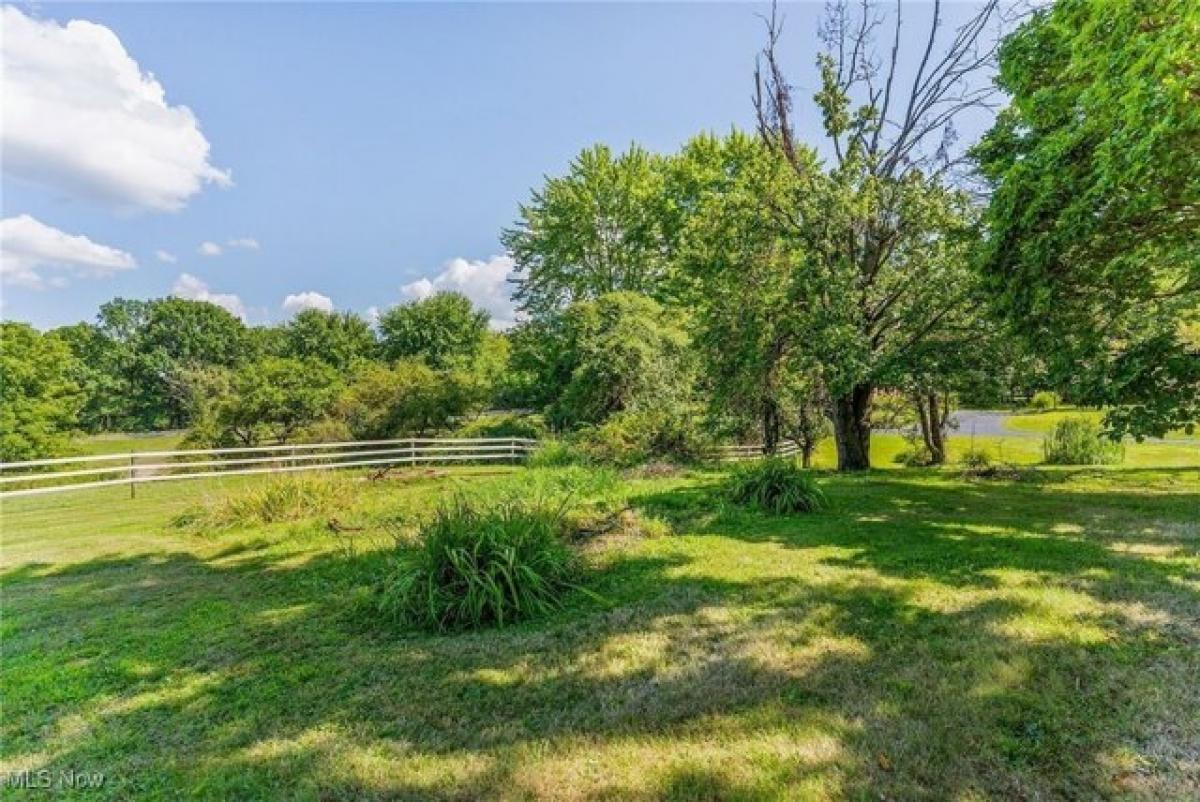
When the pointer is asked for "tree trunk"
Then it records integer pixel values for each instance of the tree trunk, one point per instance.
(806, 452)
(932, 416)
(852, 428)
(770, 426)
(937, 431)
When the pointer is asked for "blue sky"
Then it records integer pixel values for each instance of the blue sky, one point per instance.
(369, 145)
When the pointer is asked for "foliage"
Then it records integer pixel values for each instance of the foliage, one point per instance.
(776, 485)
(528, 426)
(1075, 441)
(285, 497)
(975, 458)
(1045, 400)
(40, 398)
(597, 230)
(269, 401)
(555, 453)
(622, 352)
(339, 339)
(736, 273)
(477, 565)
(879, 240)
(1093, 223)
(408, 398)
(444, 330)
(634, 437)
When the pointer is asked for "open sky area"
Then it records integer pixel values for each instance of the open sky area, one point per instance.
(270, 157)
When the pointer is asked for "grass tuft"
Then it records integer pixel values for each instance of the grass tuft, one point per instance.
(1075, 441)
(278, 498)
(778, 486)
(480, 564)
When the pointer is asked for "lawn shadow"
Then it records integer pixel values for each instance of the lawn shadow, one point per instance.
(886, 654)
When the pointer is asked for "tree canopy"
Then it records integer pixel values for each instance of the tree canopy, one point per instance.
(1093, 230)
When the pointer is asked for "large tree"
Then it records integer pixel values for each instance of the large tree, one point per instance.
(737, 274)
(882, 239)
(444, 329)
(339, 339)
(39, 398)
(598, 229)
(1094, 224)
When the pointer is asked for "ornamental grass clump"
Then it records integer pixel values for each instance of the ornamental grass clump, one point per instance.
(778, 486)
(1080, 442)
(292, 497)
(481, 563)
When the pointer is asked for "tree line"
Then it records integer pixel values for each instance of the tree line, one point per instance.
(753, 285)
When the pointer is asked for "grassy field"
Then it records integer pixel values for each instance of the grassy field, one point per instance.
(927, 637)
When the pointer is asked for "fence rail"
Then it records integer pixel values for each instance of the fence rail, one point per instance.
(36, 477)
(784, 448)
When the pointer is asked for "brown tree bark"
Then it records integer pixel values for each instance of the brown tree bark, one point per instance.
(932, 414)
(770, 426)
(852, 428)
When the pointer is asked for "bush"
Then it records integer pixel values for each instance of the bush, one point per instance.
(915, 455)
(529, 426)
(976, 459)
(1075, 441)
(278, 498)
(555, 454)
(778, 486)
(633, 438)
(480, 564)
(1045, 401)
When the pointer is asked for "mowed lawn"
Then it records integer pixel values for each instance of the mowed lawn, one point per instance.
(927, 637)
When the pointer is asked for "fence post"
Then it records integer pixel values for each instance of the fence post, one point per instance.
(512, 448)
(132, 484)
(412, 448)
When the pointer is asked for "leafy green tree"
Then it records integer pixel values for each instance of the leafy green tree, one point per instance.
(269, 401)
(596, 230)
(339, 339)
(1094, 223)
(443, 329)
(406, 398)
(623, 352)
(39, 397)
(881, 242)
(737, 274)
(96, 370)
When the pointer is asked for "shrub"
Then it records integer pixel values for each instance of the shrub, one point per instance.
(633, 438)
(555, 454)
(530, 426)
(278, 498)
(776, 485)
(976, 458)
(914, 455)
(1075, 441)
(479, 564)
(1045, 400)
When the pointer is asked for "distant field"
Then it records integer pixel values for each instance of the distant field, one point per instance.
(121, 442)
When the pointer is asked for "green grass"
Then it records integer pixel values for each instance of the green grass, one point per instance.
(120, 443)
(924, 637)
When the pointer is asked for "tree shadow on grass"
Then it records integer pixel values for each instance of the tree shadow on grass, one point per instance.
(897, 645)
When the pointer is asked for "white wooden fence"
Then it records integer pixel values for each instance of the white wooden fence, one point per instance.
(784, 448)
(134, 468)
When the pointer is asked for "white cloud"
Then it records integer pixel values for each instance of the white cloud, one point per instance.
(193, 289)
(372, 315)
(485, 283)
(165, 256)
(307, 300)
(209, 249)
(249, 243)
(80, 116)
(29, 247)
